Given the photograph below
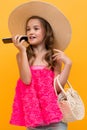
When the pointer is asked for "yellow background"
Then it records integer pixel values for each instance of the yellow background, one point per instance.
(76, 12)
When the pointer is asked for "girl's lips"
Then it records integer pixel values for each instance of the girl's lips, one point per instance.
(32, 37)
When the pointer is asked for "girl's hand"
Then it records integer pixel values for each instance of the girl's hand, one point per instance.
(59, 56)
(18, 43)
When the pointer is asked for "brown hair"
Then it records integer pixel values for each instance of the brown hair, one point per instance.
(49, 42)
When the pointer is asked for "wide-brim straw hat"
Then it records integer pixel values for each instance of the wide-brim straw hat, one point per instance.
(59, 23)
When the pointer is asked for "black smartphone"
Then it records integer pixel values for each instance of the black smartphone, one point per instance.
(9, 39)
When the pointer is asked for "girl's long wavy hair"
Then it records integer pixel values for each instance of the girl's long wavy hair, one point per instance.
(48, 40)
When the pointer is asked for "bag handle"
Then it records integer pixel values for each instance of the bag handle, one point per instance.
(61, 87)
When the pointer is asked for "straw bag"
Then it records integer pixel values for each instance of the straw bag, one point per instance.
(70, 103)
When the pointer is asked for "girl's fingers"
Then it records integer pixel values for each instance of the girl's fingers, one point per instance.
(19, 38)
(56, 55)
(16, 37)
(57, 50)
(56, 58)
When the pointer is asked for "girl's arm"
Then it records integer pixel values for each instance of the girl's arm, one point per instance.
(62, 58)
(24, 69)
(22, 60)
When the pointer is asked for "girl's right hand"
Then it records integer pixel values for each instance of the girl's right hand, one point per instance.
(18, 43)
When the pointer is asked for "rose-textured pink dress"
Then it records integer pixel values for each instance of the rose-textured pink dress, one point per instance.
(36, 104)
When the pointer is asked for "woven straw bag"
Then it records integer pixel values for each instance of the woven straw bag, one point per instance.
(70, 103)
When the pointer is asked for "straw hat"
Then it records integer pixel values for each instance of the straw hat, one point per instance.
(59, 23)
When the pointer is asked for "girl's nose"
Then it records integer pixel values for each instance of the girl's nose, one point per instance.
(31, 31)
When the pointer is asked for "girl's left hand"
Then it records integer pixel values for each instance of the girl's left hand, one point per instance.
(20, 44)
(60, 56)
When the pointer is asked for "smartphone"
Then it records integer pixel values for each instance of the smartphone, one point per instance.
(9, 39)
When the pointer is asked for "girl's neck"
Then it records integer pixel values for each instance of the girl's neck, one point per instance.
(40, 53)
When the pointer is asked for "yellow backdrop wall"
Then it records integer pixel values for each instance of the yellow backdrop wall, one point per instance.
(76, 12)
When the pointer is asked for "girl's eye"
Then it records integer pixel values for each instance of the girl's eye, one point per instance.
(36, 28)
(28, 29)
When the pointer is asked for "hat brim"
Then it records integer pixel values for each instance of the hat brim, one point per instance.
(59, 23)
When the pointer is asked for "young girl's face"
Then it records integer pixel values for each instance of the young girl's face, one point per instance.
(35, 31)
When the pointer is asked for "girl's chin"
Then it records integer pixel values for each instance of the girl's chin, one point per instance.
(33, 43)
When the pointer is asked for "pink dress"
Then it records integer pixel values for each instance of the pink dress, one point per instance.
(36, 104)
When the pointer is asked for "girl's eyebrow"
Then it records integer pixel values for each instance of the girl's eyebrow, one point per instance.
(33, 26)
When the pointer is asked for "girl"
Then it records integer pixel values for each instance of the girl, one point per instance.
(35, 104)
